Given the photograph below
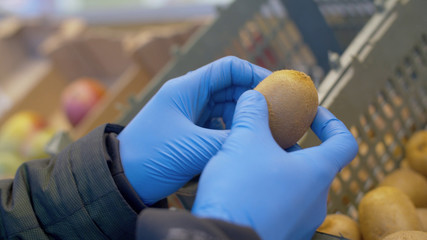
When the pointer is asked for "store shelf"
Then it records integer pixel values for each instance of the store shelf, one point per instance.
(33, 86)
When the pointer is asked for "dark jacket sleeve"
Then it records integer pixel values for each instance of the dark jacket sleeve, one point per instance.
(73, 195)
(182, 225)
(82, 193)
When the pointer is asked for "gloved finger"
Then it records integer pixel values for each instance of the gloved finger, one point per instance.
(228, 115)
(230, 94)
(293, 148)
(251, 114)
(198, 87)
(232, 71)
(205, 144)
(338, 144)
(325, 125)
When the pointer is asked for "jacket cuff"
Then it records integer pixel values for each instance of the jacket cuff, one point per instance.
(112, 155)
(88, 193)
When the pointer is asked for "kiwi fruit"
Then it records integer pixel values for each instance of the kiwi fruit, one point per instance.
(422, 215)
(411, 183)
(292, 103)
(407, 235)
(404, 163)
(416, 152)
(385, 210)
(340, 225)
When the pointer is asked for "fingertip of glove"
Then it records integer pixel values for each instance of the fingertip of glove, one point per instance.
(335, 135)
(323, 113)
(251, 109)
(253, 96)
(354, 146)
(252, 101)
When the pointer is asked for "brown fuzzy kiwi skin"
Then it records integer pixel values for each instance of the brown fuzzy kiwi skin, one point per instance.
(411, 183)
(416, 152)
(385, 210)
(292, 102)
(422, 215)
(340, 225)
(407, 235)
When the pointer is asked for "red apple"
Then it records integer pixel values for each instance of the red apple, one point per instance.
(18, 128)
(79, 97)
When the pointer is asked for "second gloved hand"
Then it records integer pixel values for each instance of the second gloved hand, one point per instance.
(168, 142)
(253, 182)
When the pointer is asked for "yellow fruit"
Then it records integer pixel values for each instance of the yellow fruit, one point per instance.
(292, 102)
(34, 147)
(407, 235)
(411, 183)
(416, 152)
(386, 210)
(422, 215)
(340, 225)
(9, 163)
(18, 128)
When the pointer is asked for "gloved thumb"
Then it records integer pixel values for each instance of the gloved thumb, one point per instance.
(251, 113)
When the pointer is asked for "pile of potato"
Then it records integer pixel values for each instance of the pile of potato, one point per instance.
(396, 208)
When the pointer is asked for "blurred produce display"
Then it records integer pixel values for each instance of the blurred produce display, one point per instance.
(23, 137)
(64, 77)
(152, 50)
(77, 51)
(18, 128)
(19, 41)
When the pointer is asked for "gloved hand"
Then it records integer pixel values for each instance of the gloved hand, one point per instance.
(253, 182)
(167, 143)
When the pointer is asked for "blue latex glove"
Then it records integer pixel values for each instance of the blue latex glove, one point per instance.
(167, 143)
(253, 182)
